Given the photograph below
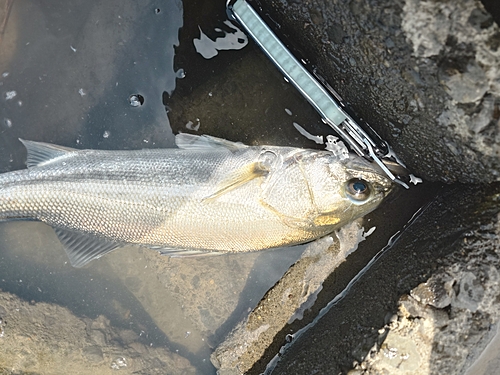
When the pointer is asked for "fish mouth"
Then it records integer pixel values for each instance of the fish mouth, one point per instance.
(396, 169)
(375, 172)
(371, 172)
(360, 166)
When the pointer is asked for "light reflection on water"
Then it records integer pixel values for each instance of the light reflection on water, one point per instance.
(99, 75)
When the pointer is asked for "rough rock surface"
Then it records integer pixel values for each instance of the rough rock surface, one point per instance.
(424, 74)
(446, 322)
(286, 301)
(41, 338)
(461, 221)
(208, 296)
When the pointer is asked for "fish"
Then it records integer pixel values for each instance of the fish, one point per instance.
(208, 195)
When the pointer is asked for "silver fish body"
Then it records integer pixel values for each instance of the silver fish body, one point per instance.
(208, 194)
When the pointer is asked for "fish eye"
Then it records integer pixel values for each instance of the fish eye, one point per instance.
(358, 190)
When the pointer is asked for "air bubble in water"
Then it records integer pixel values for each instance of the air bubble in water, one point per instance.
(136, 100)
(180, 73)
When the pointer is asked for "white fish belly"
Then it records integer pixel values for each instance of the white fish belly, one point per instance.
(235, 222)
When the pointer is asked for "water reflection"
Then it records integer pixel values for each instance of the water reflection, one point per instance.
(74, 66)
(100, 75)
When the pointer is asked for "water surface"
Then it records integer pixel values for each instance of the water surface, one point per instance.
(122, 75)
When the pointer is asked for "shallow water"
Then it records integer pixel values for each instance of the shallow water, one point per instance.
(127, 75)
(103, 75)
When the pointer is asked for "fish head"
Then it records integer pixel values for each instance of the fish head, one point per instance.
(317, 190)
(351, 188)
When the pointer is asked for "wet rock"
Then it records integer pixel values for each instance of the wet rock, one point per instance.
(48, 339)
(251, 104)
(140, 272)
(437, 291)
(428, 68)
(470, 294)
(195, 301)
(443, 325)
(295, 292)
(451, 344)
(206, 288)
(7, 39)
(93, 354)
(250, 338)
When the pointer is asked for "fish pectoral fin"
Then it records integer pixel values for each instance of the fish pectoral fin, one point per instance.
(40, 153)
(83, 248)
(238, 178)
(205, 142)
(183, 253)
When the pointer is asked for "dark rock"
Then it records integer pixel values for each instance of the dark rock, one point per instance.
(445, 232)
(412, 65)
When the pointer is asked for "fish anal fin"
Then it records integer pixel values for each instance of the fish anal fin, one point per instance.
(181, 253)
(82, 248)
(239, 178)
(40, 153)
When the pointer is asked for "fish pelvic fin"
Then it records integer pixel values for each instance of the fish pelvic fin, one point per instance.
(40, 153)
(82, 248)
(239, 178)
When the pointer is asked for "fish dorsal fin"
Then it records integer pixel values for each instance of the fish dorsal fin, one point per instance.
(83, 248)
(187, 141)
(40, 153)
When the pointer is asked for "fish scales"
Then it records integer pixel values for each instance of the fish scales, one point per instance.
(208, 195)
(140, 205)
